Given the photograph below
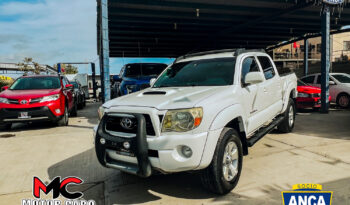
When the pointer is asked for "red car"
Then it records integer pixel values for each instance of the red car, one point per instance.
(37, 98)
(308, 96)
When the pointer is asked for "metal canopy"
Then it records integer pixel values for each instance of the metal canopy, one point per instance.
(170, 28)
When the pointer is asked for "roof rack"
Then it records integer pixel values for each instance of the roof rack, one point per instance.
(236, 52)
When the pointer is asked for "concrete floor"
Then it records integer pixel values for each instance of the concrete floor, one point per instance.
(318, 151)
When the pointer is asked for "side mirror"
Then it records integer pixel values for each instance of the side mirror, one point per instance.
(4, 88)
(69, 86)
(117, 78)
(253, 78)
(331, 82)
(152, 81)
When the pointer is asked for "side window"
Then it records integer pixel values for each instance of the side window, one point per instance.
(64, 82)
(249, 65)
(308, 80)
(267, 67)
(318, 79)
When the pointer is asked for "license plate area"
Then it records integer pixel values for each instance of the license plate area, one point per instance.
(119, 148)
(23, 115)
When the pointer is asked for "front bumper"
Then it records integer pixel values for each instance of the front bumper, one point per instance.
(11, 115)
(162, 153)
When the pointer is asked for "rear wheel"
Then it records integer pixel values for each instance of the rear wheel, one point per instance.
(343, 100)
(65, 118)
(223, 173)
(6, 126)
(287, 124)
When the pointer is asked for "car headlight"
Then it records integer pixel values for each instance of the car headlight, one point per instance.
(4, 100)
(303, 95)
(50, 98)
(182, 120)
(101, 112)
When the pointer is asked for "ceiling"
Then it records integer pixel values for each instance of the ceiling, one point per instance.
(170, 28)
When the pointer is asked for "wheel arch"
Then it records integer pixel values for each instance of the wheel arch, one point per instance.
(238, 125)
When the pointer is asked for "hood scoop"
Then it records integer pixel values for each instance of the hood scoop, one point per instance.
(154, 93)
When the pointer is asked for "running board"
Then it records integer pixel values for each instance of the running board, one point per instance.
(262, 132)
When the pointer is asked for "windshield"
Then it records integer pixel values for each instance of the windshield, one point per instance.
(75, 84)
(36, 83)
(208, 72)
(342, 78)
(135, 70)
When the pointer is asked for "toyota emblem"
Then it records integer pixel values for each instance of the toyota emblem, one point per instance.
(127, 123)
(23, 102)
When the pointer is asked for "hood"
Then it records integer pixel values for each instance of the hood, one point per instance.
(166, 98)
(28, 94)
(308, 89)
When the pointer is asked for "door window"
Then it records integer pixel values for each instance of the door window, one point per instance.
(308, 80)
(266, 65)
(249, 65)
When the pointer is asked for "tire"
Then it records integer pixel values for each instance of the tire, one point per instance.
(343, 100)
(287, 124)
(74, 111)
(213, 177)
(84, 102)
(6, 127)
(65, 119)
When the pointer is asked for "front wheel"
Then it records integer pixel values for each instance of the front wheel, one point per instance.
(343, 100)
(74, 111)
(223, 173)
(287, 124)
(65, 118)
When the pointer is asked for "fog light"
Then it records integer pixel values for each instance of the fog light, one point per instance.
(126, 145)
(186, 151)
(102, 141)
(58, 111)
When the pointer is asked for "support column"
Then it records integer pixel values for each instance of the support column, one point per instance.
(325, 59)
(104, 53)
(306, 56)
(94, 87)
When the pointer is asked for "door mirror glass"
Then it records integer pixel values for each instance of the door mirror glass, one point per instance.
(253, 78)
(152, 81)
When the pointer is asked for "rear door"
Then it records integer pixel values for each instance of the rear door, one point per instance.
(68, 93)
(271, 93)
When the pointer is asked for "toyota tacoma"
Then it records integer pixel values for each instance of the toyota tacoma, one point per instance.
(202, 113)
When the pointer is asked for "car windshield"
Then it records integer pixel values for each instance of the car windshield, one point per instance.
(342, 78)
(75, 84)
(36, 83)
(135, 70)
(208, 72)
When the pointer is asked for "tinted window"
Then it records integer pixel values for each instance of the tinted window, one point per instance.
(249, 65)
(308, 80)
(318, 81)
(135, 70)
(209, 72)
(342, 78)
(301, 83)
(267, 67)
(35, 83)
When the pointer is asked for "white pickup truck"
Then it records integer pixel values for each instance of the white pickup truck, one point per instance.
(202, 113)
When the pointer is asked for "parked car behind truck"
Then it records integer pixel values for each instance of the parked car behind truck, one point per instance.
(202, 113)
(134, 77)
(37, 98)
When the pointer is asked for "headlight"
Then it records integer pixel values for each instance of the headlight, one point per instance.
(130, 88)
(4, 100)
(303, 95)
(182, 120)
(101, 112)
(50, 98)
